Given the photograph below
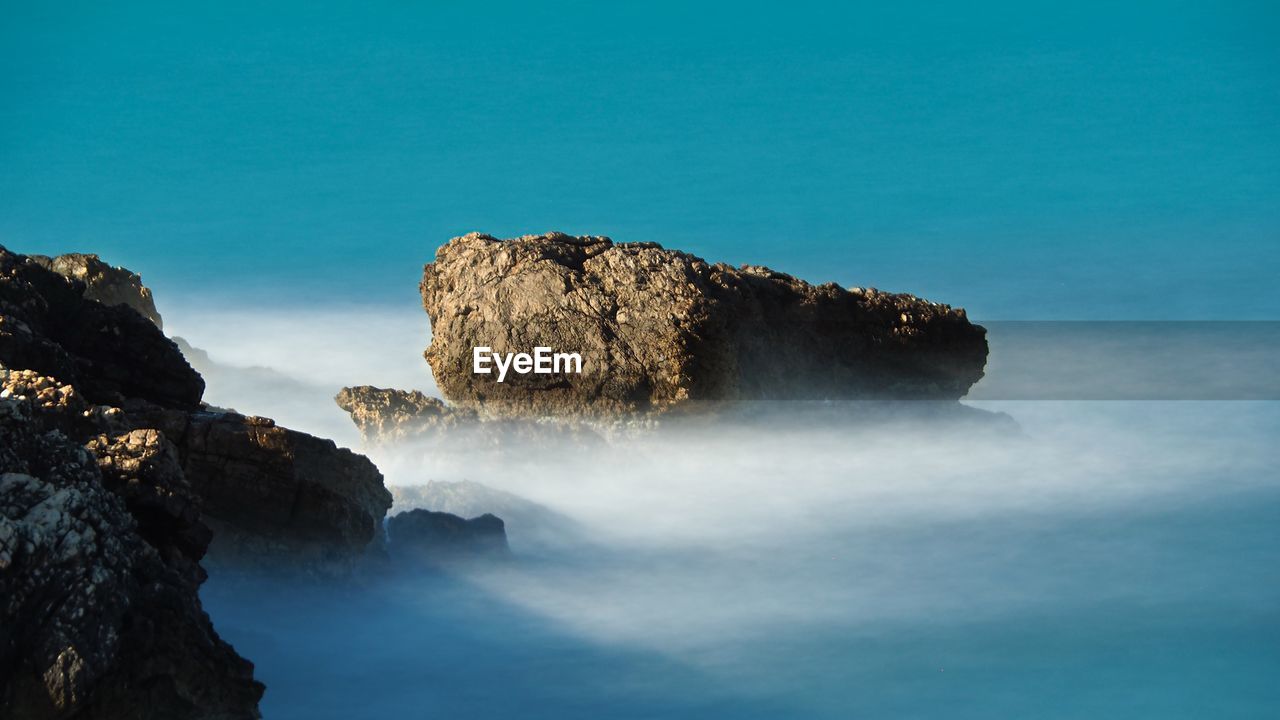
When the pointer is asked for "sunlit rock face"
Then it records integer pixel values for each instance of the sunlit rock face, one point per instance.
(108, 284)
(386, 415)
(660, 329)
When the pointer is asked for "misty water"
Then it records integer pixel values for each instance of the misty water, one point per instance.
(1037, 558)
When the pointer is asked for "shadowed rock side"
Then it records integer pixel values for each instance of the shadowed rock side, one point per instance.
(528, 523)
(108, 352)
(277, 499)
(440, 538)
(105, 283)
(114, 484)
(658, 329)
(99, 613)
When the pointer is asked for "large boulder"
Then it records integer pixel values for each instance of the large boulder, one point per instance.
(98, 619)
(108, 284)
(659, 329)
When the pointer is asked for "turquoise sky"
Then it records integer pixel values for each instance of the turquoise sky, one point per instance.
(1024, 160)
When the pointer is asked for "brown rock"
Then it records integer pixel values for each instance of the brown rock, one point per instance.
(660, 329)
(109, 285)
(276, 499)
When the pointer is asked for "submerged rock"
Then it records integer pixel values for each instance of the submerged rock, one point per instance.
(527, 523)
(109, 285)
(432, 537)
(659, 329)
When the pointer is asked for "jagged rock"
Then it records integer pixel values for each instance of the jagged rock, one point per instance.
(398, 416)
(142, 468)
(94, 622)
(658, 328)
(383, 415)
(433, 537)
(107, 352)
(113, 476)
(107, 284)
(277, 499)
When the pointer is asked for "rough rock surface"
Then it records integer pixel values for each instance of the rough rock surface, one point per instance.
(431, 537)
(277, 499)
(107, 352)
(384, 415)
(105, 283)
(659, 328)
(96, 621)
(111, 479)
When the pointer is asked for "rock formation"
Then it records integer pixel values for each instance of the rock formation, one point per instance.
(109, 353)
(277, 499)
(658, 329)
(386, 416)
(102, 282)
(115, 482)
(429, 537)
(99, 613)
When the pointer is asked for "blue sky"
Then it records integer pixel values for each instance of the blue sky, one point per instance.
(1025, 161)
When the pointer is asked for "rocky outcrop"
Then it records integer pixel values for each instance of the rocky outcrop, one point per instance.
(105, 283)
(115, 484)
(439, 538)
(99, 619)
(659, 329)
(387, 416)
(109, 353)
(277, 499)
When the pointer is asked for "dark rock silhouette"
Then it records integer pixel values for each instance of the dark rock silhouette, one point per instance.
(101, 616)
(116, 483)
(105, 283)
(427, 536)
(109, 353)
